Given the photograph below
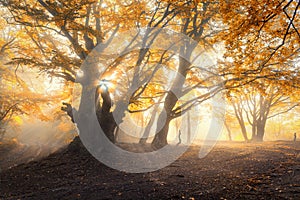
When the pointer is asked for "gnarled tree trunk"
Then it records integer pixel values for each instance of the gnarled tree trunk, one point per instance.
(105, 116)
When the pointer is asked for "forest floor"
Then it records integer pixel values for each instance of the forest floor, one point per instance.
(232, 170)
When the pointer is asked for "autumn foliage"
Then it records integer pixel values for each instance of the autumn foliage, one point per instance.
(257, 62)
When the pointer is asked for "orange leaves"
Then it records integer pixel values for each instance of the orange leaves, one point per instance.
(147, 97)
(58, 33)
(258, 38)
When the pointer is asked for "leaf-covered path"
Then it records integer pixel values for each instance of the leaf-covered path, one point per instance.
(269, 170)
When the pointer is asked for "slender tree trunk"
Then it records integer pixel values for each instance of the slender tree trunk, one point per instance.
(239, 115)
(188, 128)
(260, 131)
(244, 131)
(228, 131)
(179, 137)
(243, 127)
(254, 130)
(146, 133)
(263, 116)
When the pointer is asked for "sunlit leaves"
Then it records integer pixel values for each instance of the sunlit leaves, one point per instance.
(261, 35)
(259, 39)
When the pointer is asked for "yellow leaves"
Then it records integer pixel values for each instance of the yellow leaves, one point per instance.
(146, 98)
(18, 120)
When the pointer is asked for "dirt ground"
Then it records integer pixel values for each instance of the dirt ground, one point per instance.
(232, 170)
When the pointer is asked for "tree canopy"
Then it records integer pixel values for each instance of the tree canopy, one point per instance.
(257, 45)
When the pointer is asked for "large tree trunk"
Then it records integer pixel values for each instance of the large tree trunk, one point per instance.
(104, 117)
(108, 125)
(160, 139)
(104, 114)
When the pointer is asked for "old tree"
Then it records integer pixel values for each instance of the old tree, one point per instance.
(260, 40)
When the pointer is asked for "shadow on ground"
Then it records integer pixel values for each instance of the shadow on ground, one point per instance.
(269, 170)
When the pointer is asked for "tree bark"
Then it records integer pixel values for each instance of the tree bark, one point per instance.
(160, 139)
(105, 116)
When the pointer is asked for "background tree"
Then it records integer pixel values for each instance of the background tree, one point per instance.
(261, 42)
(258, 102)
